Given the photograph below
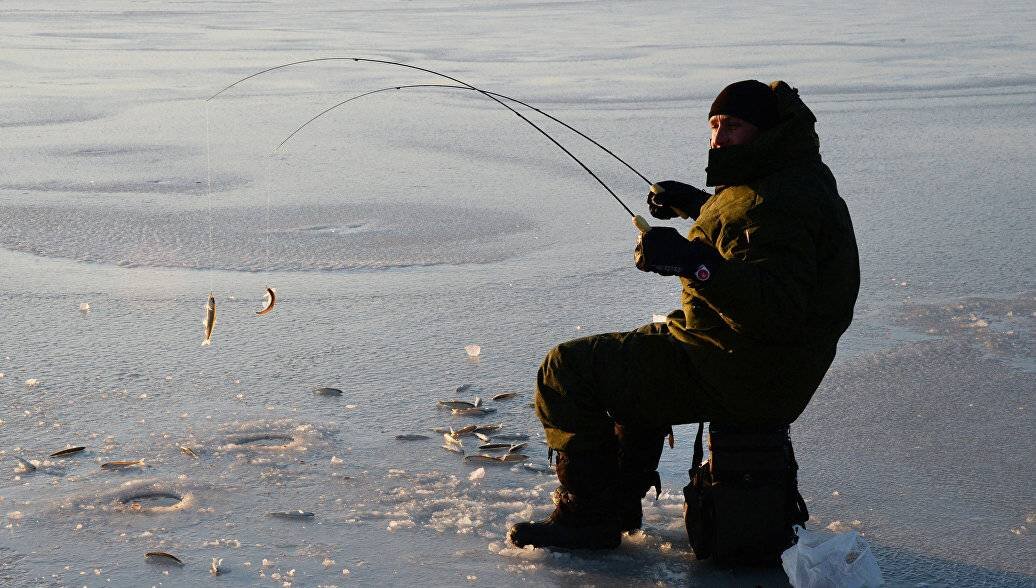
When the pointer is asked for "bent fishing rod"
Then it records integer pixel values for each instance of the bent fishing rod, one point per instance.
(452, 87)
(655, 188)
(638, 220)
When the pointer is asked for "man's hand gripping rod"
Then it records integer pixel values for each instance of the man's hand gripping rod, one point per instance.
(641, 223)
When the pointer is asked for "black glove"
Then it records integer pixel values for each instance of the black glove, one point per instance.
(665, 251)
(665, 198)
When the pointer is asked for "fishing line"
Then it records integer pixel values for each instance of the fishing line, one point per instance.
(210, 305)
(208, 164)
(450, 86)
(452, 79)
(208, 176)
(269, 259)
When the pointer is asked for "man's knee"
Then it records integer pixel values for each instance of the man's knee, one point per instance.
(559, 360)
(551, 360)
(546, 387)
(565, 377)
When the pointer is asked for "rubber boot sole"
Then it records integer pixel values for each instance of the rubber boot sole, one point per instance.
(551, 534)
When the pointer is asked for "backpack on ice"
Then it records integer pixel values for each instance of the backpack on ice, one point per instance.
(742, 503)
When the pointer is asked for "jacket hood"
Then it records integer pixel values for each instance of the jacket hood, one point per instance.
(792, 141)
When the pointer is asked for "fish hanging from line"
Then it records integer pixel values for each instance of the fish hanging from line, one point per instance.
(269, 299)
(210, 320)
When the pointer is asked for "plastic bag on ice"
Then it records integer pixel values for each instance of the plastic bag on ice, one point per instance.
(821, 561)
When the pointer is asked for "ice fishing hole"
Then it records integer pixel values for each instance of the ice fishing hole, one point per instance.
(264, 441)
(154, 499)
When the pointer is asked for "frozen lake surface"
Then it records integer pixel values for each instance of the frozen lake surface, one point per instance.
(406, 225)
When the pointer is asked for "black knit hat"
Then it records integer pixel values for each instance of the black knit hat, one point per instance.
(749, 100)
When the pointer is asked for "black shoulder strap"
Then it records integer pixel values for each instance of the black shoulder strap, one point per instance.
(699, 451)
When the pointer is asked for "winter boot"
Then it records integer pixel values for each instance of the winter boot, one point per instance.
(585, 514)
(639, 452)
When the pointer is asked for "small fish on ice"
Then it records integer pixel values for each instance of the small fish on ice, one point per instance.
(494, 446)
(511, 437)
(123, 464)
(453, 440)
(67, 451)
(292, 514)
(327, 392)
(162, 557)
(411, 437)
(456, 404)
(477, 411)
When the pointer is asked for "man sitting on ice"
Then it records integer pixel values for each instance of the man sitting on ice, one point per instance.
(769, 276)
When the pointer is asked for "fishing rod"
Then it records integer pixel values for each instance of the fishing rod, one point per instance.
(450, 86)
(638, 220)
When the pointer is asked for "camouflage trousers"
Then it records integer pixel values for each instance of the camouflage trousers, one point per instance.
(639, 379)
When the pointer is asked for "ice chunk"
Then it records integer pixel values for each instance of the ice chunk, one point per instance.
(537, 466)
(837, 527)
(31, 383)
(473, 350)
(477, 475)
(526, 553)
(658, 318)
(401, 524)
(24, 466)
(84, 307)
